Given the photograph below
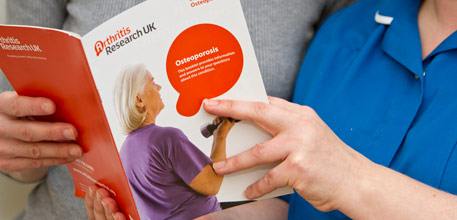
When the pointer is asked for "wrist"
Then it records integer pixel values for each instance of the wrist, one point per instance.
(357, 189)
(220, 136)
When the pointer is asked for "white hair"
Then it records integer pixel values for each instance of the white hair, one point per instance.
(130, 83)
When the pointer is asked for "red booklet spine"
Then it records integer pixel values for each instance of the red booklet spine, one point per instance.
(49, 63)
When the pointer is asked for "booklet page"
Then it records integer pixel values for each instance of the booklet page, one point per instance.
(194, 50)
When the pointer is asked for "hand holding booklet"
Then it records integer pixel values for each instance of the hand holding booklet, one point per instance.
(134, 88)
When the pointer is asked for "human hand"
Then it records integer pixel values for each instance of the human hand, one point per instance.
(27, 145)
(314, 161)
(100, 205)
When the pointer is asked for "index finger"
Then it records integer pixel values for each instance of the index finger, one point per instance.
(20, 106)
(264, 115)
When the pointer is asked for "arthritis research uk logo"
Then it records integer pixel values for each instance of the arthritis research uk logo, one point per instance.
(122, 38)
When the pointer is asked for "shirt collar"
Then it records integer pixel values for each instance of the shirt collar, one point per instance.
(401, 40)
(390, 8)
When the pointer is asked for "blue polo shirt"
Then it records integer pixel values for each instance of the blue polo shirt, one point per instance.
(365, 77)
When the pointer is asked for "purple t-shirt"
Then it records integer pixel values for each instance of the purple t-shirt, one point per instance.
(160, 163)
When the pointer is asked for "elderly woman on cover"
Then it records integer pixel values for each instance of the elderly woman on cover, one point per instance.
(169, 176)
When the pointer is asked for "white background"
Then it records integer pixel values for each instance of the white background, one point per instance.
(12, 195)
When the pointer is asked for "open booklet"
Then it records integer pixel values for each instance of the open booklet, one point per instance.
(194, 50)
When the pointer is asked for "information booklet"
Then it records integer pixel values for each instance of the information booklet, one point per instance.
(191, 50)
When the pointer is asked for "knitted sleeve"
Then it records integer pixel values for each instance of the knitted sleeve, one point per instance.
(44, 13)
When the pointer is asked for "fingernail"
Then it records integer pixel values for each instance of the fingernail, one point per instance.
(218, 166)
(75, 152)
(211, 102)
(46, 107)
(68, 134)
(91, 193)
(103, 204)
(114, 216)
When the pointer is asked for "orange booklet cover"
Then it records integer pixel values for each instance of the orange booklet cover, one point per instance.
(49, 63)
(195, 50)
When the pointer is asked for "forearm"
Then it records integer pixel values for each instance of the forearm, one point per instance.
(218, 151)
(29, 175)
(208, 182)
(218, 154)
(269, 209)
(384, 193)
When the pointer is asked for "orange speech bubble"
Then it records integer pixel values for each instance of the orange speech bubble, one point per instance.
(204, 62)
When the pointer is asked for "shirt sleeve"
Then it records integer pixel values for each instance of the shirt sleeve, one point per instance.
(44, 13)
(186, 159)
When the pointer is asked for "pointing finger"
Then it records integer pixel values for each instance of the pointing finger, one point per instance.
(262, 114)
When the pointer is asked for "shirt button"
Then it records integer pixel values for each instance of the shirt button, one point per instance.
(416, 76)
(423, 74)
